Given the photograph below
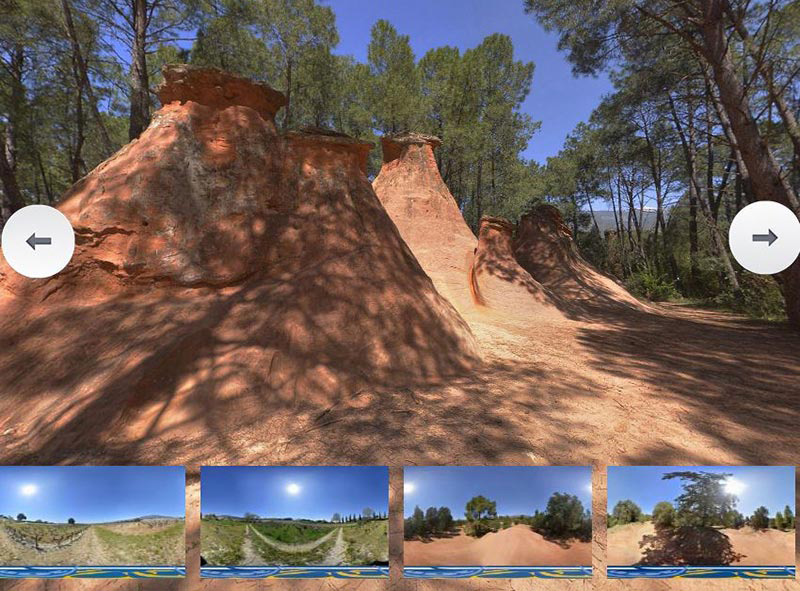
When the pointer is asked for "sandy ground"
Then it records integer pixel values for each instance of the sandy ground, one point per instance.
(677, 386)
(515, 546)
(337, 554)
(759, 548)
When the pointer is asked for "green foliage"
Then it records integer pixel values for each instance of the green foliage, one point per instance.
(664, 515)
(760, 518)
(789, 518)
(479, 512)
(662, 138)
(71, 521)
(433, 522)
(566, 519)
(480, 507)
(292, 533)
(704, 501)
(647, 284)
(394, 93)
(21, 517)
(759, 297)
(733, 519)
(626, 512)
(367, 543)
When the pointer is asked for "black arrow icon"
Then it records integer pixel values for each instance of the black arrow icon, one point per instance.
(770, 238)
(33, 241)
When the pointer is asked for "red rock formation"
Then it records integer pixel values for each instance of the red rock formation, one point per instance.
(222, 272)
(426, 214)
(545, 248)
(497, 280)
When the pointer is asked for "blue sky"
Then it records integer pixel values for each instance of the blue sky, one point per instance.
(771, 486)
(300, 492)
(557, 99)
(91, 494)
(518, 490)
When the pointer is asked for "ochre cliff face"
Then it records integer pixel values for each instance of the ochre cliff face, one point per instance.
(497, 280)
(222, 271)
(426, 214)
(544, 247)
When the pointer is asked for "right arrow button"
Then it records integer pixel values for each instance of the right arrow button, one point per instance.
(770, 252)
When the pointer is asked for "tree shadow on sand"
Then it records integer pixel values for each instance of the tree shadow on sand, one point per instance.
(689, 546)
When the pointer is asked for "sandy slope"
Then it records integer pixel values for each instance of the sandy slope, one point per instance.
(759, 548)
(515, 546)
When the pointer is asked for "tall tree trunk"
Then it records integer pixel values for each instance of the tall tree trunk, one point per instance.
(76, 159)
(594, 218)
(767, 72)
(718, 244)
(287, 119)
(745, 187)
(140, 86)
(12, 196)
(478, 196)
(764, 170)
(765, 175)
(84, 74)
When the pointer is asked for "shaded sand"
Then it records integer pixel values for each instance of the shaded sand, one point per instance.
(757, 548)
(500, 284)
(516, 546)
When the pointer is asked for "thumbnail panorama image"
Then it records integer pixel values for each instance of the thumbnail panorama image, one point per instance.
(92, 516)
(295, 516)
(701, 516)
(497, 515)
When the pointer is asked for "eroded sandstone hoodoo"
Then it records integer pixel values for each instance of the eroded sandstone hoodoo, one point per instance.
(544, 247)
(497, 280)
(223, 271)
(426, 214)
(194, 188)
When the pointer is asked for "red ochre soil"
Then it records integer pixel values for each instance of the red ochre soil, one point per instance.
(516, 546)
(156, 346)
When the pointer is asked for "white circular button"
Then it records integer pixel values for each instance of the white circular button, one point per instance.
(38, 241)
(765, 237)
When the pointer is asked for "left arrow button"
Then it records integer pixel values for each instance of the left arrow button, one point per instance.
(27, 231)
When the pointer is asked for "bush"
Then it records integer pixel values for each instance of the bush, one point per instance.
(648, 285)
(760, 518)
(759, 297)
(477, 529)
(664, 515)
(626, 512)
(565, 518)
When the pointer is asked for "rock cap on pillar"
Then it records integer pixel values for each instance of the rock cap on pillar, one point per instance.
(218, 89)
